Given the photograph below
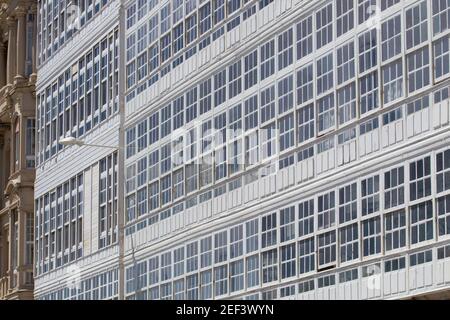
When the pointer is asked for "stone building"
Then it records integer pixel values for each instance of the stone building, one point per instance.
(17, 127)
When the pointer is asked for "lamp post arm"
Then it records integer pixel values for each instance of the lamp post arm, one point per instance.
(100, 146)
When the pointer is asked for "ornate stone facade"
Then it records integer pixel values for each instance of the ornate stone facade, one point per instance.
(17, 127)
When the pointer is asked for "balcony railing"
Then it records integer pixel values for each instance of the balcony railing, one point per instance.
(4, 286)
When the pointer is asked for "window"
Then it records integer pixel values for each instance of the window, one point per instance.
(251, 112)
(191, 177)
(233, 5)
(165, 18)
(153, 268)
(416, 25)
(391, 38)
(392, 116)
(220, 160)
(221, 280)
(306, 218)
(220, 88)
(368, 86)
(268, 141)
(269, 261)
(220, 247)
(366, 9)
(236, 275)
(192, 257)
(191, 29)
(30, 142)
(267, 108)
(288, 261)
(141, 38)
(324, 25)
(285, 95)
(346, 62)
(394, 264)
(251, 231)
(418, 69)
(166, 123)
(250, 70)
(236, 241)
(346, 103)
(251, 149)
(305, 84)
(205, 252)
(141, 172)
(306, 286)
(349, 275)
(178, 262)
(395, 230)
(178, 184)
(131, 207)
(131, 16)
(420, 179)
(267, 53)
(177, 36)
(219, 11)
(142, 135)
(286, 127)
(370, 195)
(206, 284)
(205, 18)
(253, 271)
(205, 96)
(166, 47)
(287, 291)
(349, 240)
(325, 113)
(421, 216)
(443, 211)
(153, 29)
(371, 232)
(394, 188)
(327, 248)
(304, 38)
(166, 190)
(326, 216)
(285, 49)
(305, 125)
(418, 105)
(166, 266)
(443, 252)
(325, 80)
(131, 178)
(441, 16)
(441, 53)
(385, 4)
(367, 50)
(234, 79)
(443, 170)
(392, 81)
(420, 258)
(344, 16)
(306, 252)
(269, 230)
(178, 112)
(131, 75)
(347, 203)
(287, 224)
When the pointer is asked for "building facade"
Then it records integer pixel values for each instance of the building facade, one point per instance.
(271, 149)
(17, 147)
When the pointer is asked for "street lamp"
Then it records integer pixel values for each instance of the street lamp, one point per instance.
(72, 141)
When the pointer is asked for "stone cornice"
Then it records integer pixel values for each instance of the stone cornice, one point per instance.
(20, 11)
